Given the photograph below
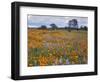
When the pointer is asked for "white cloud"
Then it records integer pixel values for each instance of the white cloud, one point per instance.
(59, 20)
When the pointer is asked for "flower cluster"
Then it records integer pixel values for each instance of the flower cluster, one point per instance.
(56, 47)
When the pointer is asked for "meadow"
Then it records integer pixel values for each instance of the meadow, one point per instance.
(57, 47)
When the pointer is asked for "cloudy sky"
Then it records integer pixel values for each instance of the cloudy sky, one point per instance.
(61, 21)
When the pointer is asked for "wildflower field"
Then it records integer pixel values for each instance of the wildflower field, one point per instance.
(56, 47)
